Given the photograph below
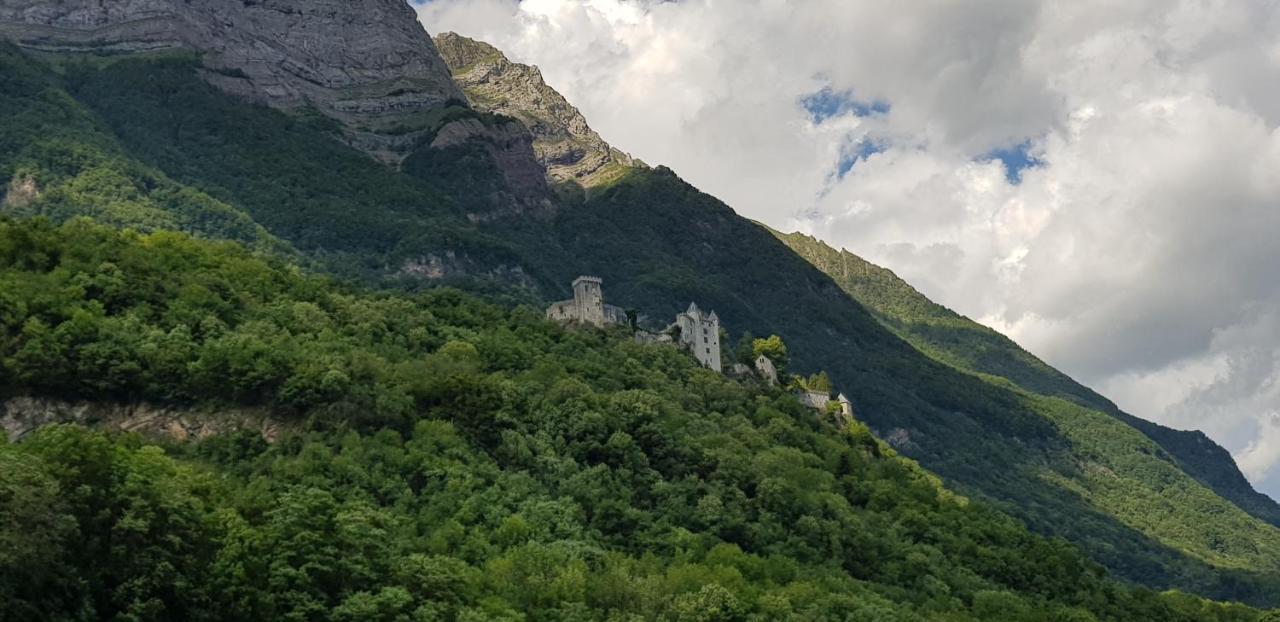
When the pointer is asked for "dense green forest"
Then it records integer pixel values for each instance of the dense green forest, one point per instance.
(444, 458)
(143, 143)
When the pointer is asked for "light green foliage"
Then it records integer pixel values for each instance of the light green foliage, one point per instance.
(819, 383)
(772, 348)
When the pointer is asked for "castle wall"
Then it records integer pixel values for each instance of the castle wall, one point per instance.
(587, 305)
(589, 299)
(615, 315)
(814, 399)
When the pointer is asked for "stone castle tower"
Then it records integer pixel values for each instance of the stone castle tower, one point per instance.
(701, 334)
(587, 305)
(588, 297)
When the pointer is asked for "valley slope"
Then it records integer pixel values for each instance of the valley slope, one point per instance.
(968, 345)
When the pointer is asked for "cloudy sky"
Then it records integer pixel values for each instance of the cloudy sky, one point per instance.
(1099, 180)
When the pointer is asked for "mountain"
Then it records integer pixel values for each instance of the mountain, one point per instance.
(566, 146)
(968, 345)
(366, 64)
(369, 68)
(151, 141)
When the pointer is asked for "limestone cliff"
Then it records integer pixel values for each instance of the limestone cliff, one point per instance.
(353, 59)
(20, 416)
(565, 145)
(366, 63)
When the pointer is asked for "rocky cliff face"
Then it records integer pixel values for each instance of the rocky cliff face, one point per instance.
(353, 59)
(565, 145)
(20, 416)
(367, 63)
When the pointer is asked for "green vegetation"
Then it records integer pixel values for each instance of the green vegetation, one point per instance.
(452, 460)
(984, 435)
(276, 182)
(1128, 467)
(75, 167)
(965, 344)
(771, 348)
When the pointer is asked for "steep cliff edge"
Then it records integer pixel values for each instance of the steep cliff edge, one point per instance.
(565, 145)
(354, 60)
(368, 64)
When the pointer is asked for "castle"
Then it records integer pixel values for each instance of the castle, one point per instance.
(699, 333)
(587, 306)
(694, 330)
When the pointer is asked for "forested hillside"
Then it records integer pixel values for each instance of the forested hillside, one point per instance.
(959, 341)
(448, 459)
(143, 142)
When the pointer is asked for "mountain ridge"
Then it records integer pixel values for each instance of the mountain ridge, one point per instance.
(566, 145)
(969, 345)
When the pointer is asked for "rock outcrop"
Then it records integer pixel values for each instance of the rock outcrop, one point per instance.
(356, 60)
(509, 144)
(566, 146)
(21, 416)
(366, 63)
(21, 191)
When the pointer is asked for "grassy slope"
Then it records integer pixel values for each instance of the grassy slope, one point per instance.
(959, 341)
(659, 243)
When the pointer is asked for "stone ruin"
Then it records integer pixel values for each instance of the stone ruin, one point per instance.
(693, 330)
(697, 332)
(587, 305)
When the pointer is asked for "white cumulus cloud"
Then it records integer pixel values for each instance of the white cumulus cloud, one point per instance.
(1137, 248)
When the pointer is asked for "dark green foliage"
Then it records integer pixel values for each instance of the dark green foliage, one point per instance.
(961, 342)
(77, 168)
(984, 435)
(957, 340)
(151, 124)
(95, 138)
(463, 462)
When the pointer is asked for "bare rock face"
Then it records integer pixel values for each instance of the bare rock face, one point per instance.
(20, 416)
(366, 63)
(363, 62)
(565, 145)
(22, 191)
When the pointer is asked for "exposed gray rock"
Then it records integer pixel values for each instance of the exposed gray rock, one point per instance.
(511, 147)
(449, 264)
(366, 63)
(21, 192)
(21, 416)
(565, 145)
(353, 59)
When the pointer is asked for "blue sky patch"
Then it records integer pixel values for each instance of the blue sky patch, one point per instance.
(855, 152)
(1015, 159)
(828, 103)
